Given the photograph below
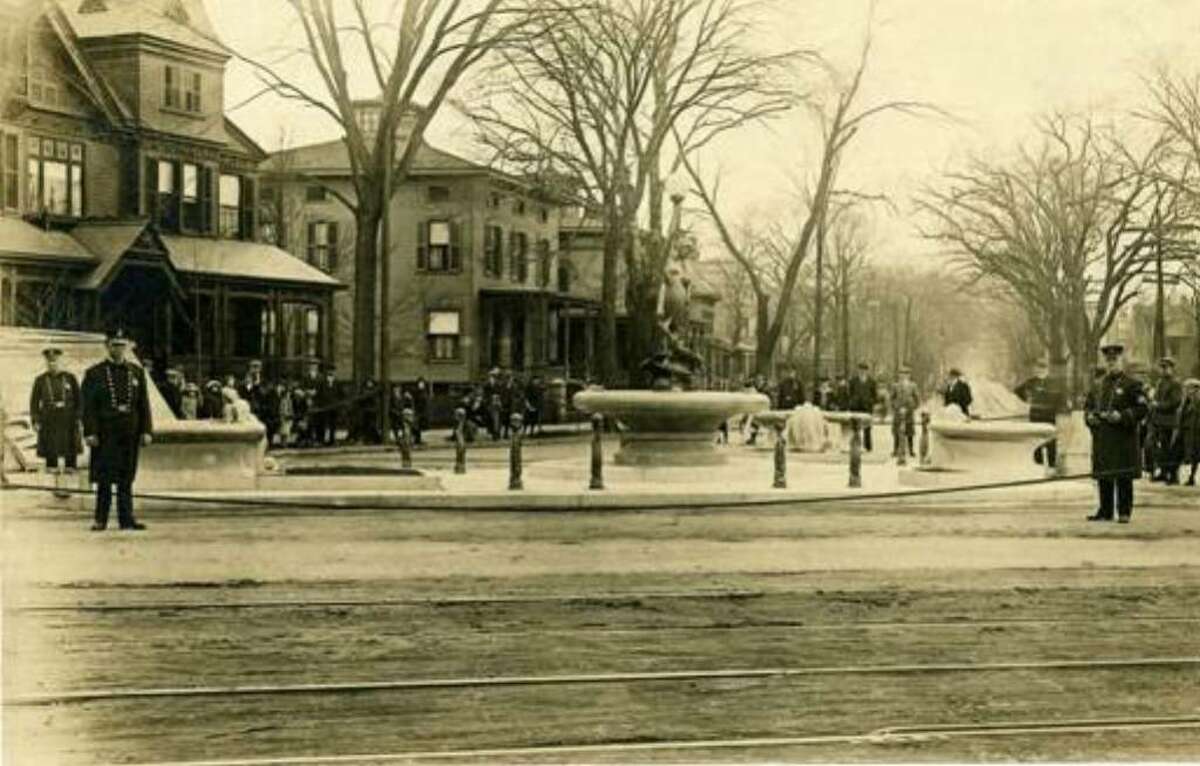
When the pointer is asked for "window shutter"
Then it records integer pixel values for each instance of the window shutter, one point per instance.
(331, 233)
(312, 243)
(206, 195)
(246, 210)
(514, 251)
(422, 245)
(151, 185)
(455, 246)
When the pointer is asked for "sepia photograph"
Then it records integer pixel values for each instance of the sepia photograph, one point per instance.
(599, 382)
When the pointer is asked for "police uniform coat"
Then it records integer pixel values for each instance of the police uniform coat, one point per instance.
(54, 410)
(1115, 449)
(1168, 395)
(116, 410)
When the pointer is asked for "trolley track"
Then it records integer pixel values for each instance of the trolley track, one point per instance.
(876, 739)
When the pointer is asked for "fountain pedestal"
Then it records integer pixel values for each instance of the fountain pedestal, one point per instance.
(669, 428)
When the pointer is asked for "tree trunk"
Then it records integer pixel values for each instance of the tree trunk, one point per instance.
(606, 337)
(763, 352)
(1057, 356)
(366, 281)
(817, 305)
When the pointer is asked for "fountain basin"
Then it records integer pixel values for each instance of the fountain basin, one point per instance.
(845, 420)
(669, 428)
(995, 448)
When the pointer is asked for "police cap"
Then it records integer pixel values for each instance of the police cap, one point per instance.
(1112, 349)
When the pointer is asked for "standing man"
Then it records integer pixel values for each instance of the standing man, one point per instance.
(957, 391)
(116, 424)
(251, 388)
(1115, 406)
(420, 405)
(1164, 418)
(906, 399)
(54, 411)
(860, 397)
(1043, 407)
(325, 404)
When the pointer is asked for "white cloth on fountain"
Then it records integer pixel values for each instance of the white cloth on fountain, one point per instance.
(807, 430)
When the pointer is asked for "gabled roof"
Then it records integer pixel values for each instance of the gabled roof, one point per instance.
(182, 22)
(332, 158)
(110, 241)
(21, 239)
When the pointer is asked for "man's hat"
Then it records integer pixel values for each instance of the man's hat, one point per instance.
(329, 367)
(1167, 361)
(116, 335)
(1112, 349)
(1191, 383)
(864, 366)
(190, 388)
(52, 352)
(955, 371)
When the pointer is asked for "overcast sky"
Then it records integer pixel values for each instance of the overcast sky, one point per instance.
(994, 64)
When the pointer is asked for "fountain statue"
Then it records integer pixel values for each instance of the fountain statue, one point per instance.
(671, 424)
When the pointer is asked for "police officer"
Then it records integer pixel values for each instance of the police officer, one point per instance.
(905, 399)
(54, 411)
(1164, 416)
(1115, 406)
(1043, 400)
(116, 424)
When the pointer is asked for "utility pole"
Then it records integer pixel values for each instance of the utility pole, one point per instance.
(817, 305)
(385, 274)
(1160, 316)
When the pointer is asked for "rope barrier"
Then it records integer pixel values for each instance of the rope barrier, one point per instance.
(349, 502)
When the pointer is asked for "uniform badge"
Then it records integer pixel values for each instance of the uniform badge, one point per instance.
(1120, 391)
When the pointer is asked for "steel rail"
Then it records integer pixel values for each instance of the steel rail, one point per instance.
(880, 737)
(670, 676)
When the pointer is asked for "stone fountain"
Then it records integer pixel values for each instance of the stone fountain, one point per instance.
(670, 424)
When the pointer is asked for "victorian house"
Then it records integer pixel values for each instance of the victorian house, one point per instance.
(129, 198)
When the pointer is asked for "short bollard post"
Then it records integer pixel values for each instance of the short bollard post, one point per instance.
(899, 429)
(924, 438)
(597, 452)
(460, 440)
(406, 424)
(780, 457)
(855, 453)
(514, 453)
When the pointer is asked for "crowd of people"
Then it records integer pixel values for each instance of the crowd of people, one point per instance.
(899, 398)
(490, 404)
(1170, 431)
(311, 411)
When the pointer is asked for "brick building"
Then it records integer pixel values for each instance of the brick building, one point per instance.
(129, 197)
(479, 276)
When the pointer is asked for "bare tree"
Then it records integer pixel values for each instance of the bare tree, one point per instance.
(591, 106)
(1065, 230)
(413, 49)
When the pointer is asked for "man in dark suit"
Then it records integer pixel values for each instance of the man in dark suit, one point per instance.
(1114, 408)
(860, 397)
(957, 391)
(1164, 417)
(116, 424)
(325, 402)
(1043, 400)
(54, 411)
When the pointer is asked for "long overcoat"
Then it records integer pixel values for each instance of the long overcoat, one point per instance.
(1116, 453)
(116, 410)
(54, 410)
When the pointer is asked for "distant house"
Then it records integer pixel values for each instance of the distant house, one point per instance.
(129, 198)
(482, 273)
